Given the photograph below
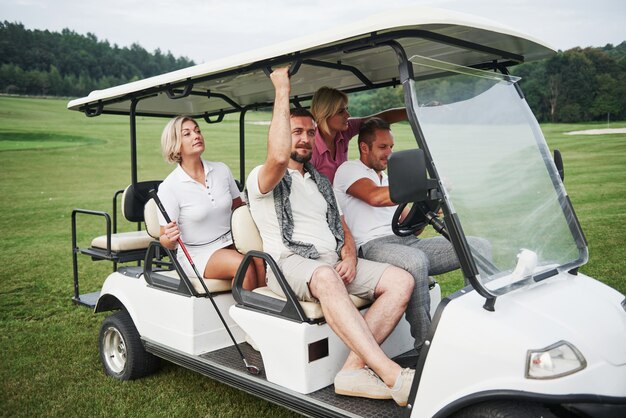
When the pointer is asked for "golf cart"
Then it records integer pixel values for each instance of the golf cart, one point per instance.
(528, 336)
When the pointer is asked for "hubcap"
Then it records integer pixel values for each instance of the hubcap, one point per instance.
(114, 350)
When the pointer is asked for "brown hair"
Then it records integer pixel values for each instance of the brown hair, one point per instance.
(368, 130)
(300, 112)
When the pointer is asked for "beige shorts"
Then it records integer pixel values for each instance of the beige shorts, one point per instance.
(298, 271)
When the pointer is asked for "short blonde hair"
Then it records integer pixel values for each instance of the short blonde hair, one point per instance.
(326, 103)
(171, 138)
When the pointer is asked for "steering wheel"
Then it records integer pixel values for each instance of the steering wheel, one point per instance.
(415, 219)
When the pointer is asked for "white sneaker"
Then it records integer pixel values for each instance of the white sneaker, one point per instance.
(402, 387)
(363, 383)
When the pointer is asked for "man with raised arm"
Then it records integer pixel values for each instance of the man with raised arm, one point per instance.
(362, 190)
(302, 228)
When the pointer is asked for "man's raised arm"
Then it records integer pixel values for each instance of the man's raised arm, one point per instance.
(279, 138)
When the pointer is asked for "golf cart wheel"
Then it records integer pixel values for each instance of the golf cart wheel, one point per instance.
(121, 350)
(505, 409)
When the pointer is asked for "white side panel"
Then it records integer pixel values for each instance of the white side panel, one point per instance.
(284, 346)
(188, 324)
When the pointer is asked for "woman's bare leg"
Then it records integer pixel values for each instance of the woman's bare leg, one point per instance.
(223, 265)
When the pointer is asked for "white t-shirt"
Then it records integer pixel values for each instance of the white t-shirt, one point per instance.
(202, 211)
(309, 215)
(365, 221)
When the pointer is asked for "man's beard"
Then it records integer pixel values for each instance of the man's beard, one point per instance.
(377, 165)
(300, 158)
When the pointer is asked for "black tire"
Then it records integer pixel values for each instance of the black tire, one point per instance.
(121, 351)
(505, 409)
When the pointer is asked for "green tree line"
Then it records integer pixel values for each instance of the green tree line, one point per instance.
(577, 85)
(37, 62)
(572, 86)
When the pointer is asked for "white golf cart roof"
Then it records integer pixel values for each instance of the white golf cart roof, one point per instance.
(342, 58)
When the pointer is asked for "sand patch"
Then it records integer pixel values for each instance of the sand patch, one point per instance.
(598, 131)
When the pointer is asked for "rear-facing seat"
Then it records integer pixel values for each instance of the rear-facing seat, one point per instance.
(118, 247)
(124, 246)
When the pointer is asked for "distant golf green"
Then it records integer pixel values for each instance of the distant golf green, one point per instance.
(53, 160)
(15, 141)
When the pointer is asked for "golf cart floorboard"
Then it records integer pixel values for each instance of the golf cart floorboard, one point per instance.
(225, 365)
(229, 357)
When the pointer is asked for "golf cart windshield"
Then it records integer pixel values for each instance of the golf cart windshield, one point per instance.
(497, 174)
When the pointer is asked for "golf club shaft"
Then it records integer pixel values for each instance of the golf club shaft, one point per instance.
(154, 195)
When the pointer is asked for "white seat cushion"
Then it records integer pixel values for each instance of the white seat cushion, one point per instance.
(245, 232)
(213, 285)
(312, 310)
(124, 241)
(151, 219)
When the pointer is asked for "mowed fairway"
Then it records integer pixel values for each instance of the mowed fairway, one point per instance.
(53, 160)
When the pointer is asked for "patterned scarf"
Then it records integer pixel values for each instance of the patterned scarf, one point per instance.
(285, 216)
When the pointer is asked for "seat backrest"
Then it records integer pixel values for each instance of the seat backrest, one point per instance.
(135, 198)
(151, 218)
(245, 233)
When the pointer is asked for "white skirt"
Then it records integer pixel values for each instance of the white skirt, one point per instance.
(200, 254)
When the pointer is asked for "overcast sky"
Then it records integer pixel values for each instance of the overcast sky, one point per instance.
(206, 29)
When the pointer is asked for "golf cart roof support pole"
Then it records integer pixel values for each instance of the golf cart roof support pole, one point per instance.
(453, 224)
(133, 141)
(242, 143)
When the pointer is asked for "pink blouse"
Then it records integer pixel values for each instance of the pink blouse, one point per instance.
(326, 163)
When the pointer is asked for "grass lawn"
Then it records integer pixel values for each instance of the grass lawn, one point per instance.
(53, 160)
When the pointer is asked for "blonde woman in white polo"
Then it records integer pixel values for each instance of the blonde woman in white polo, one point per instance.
(199, 196)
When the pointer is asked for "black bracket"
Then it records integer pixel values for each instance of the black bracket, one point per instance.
(292, 69)
(490, 304)
(220, 117)
(296, 101)
(289, 309)
(91, 112)
(172, 94)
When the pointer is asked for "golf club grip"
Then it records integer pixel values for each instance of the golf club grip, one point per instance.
(154, 195)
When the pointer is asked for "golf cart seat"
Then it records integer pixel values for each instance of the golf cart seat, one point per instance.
(247, 240)
(121, 247)
(118, 247)
(172, 278)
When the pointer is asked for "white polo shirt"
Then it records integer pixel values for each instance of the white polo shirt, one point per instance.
(365, 221)
(309, 215)
(202, 211)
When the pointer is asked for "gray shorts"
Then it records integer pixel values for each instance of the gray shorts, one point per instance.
(298, 271)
